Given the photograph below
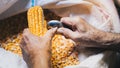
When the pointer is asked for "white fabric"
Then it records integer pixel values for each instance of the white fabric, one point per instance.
(13, 7)
(87, 9)
(5, 4)
(91, 62)
(10, 60)
(65, 8)
(99, 13)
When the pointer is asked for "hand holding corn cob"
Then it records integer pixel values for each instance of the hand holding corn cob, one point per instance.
(35, 49)
(61, 47)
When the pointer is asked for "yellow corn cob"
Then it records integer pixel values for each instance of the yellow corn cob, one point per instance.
(36, 20)
(61, 47)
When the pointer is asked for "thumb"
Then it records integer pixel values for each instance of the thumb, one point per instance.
(67, 33)
(50, 33)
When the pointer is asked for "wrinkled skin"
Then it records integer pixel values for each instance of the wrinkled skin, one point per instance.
(80, 29)
(83, 31)
(86, 33)
(37, 50)
(34, 54)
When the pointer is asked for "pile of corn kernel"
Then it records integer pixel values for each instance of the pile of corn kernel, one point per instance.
(62, 52)
(61, 47)
(12, 44)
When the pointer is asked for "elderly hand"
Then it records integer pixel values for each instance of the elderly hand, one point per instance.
(81, 31)
(37, 50)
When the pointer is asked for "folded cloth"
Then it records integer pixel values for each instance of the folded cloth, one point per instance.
(12, 7)
(91, 62)
(10, 60)
(99, 13)
(5, 4)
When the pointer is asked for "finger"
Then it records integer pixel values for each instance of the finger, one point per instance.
(50, 33)
(67, 21)
(26, 30)
(23, 45)
(70, 21)
(67, 33)
(28, 36)
(26, 33)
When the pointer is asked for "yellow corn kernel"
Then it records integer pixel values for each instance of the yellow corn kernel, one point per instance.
(13, 45)
(36, 20)
(61, 47)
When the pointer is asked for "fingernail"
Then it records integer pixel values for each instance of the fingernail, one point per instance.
(54, 29)
(60, 30)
